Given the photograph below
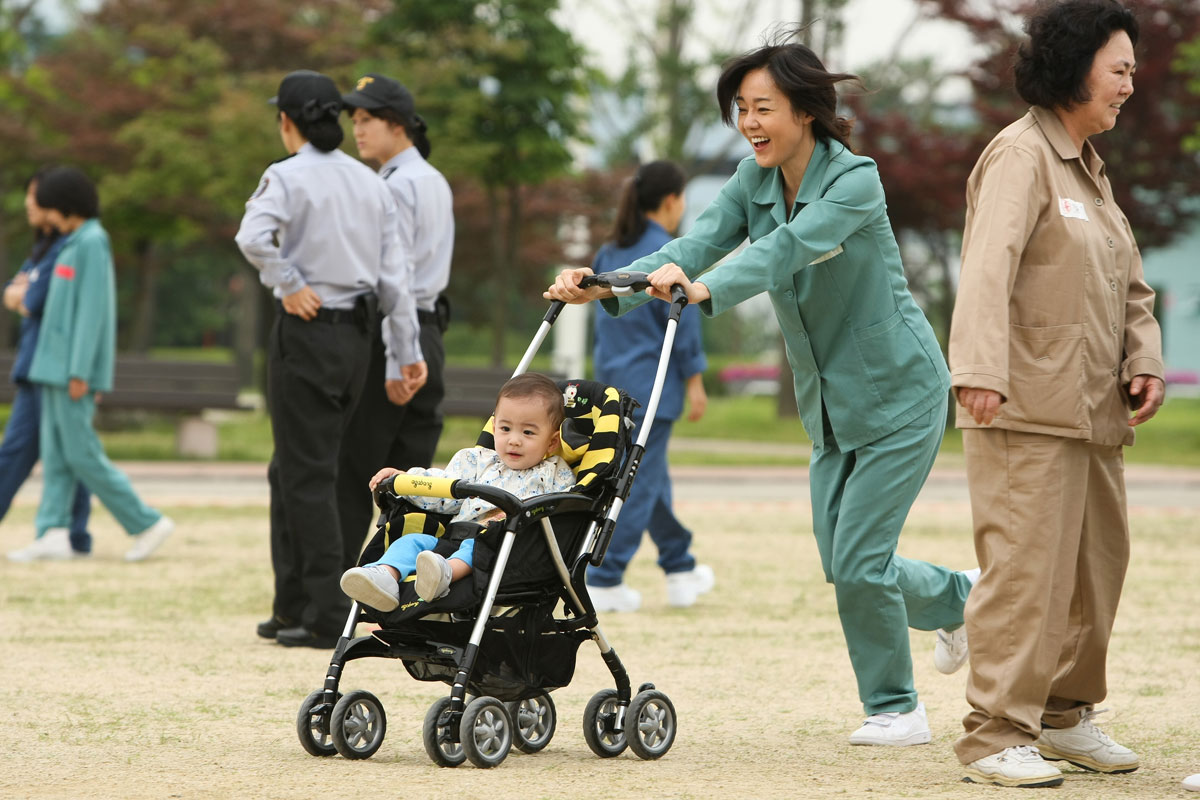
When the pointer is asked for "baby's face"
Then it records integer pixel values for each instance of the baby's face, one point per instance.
(523, 431)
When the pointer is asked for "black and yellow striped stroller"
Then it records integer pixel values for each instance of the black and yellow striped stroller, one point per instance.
(508, 636)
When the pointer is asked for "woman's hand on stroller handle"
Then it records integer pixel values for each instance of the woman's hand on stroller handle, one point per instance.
(670, 283)
(568, 287)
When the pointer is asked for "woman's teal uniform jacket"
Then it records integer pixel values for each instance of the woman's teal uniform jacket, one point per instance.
(857, 342)
(79, 321)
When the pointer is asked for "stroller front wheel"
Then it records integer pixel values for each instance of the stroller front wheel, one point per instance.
(534, 721)
(599, 725)
(440, 736)
(650, 724)
(312, 725)
(486, 732)
(358, 725)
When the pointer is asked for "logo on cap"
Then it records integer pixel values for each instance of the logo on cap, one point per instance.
(363, 82)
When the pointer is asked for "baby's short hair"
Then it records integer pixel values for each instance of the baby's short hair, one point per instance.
(534, 384)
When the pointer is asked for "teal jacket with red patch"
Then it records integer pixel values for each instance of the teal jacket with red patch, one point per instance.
(79, 322)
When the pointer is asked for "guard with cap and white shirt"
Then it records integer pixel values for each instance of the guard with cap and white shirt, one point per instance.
(387, 429)
(321, 230)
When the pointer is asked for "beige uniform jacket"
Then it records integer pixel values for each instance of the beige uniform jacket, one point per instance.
(1053, 311)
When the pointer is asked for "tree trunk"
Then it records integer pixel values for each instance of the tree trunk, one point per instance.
(142, 331)
(499, 277)
(244, 286)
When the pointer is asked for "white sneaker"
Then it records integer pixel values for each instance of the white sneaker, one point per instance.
(372, 585)
(1086, 746)
(151, 539)
(895, 729)
(684, 587)
(1192, 783)
(615, 598)
(53, 545)
(950, 652)
(1014, 766)
(433, 576)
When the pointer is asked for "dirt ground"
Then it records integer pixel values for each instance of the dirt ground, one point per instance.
(147, 680)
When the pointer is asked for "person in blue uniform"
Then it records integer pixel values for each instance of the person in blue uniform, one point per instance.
(25, 294)
(626, 354)
(321, 230)
(391, 425)
(73, 363)
(870, 380)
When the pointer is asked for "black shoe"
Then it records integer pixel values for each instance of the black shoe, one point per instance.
(301, 636)
(268, 628)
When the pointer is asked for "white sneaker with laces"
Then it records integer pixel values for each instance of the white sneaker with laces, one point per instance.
(615, 598)
(894, 729)
(1086, 746)
(433, 576)
(683, 588)
(1021, 766)
(53, 545)
(950, 652)
(372, 586)
(151, 539)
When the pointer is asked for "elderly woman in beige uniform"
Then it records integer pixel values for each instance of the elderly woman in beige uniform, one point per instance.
(1055, 356)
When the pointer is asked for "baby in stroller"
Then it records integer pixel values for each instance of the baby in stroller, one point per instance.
(529, 412)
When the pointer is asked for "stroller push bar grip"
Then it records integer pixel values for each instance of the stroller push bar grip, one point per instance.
(507, 502)
(621, 282)
(406, 485)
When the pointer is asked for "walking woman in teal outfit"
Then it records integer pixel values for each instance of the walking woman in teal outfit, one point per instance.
(870, 380)
(73, 362)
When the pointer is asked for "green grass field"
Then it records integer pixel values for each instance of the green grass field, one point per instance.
(1171, 438)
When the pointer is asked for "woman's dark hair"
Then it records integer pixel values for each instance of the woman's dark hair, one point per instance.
(414, 126)
(42, 237)
(69, 191)
(324, 130)
(1052, 66)
(800, 75)
(644, 191)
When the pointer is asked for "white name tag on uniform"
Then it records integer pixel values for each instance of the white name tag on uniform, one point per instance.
(1072, 209)
(837, 251)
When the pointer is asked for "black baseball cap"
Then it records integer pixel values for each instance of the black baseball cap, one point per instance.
(374, 91)
(303, 86)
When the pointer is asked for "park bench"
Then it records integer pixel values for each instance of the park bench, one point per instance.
(180, 388)
(471, 391)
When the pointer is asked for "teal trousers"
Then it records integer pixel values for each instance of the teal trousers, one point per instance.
(860, 501)
(71, 452)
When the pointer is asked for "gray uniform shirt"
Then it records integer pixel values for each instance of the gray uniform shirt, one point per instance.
(426, 213)
(326, 221)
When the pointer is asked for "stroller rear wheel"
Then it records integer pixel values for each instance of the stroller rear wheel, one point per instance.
(599, 725)
(358, 725)
(486, 732)
(312, 725)
(650, 724)
(439, 737)
(533, 723)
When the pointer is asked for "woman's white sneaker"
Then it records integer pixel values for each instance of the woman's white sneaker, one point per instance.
(615, 598)
(1086, 746)
(53, 545)
(151, 539)
(950, 652)
(683, 588)
(894, 729)
(1021, 766)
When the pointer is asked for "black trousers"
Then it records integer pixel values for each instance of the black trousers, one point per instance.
(382, 434)
(315, 374)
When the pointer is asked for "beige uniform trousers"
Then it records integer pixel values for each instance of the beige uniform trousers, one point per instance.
(1052, 538)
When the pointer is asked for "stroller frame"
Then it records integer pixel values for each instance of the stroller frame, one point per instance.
(483, 729)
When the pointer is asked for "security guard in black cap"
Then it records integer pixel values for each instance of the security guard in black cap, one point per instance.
(388, 429)
(322, 231)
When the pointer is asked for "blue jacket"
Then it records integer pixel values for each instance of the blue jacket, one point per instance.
(79, 323)
(859, 345)
(627, 348)
(35, 299)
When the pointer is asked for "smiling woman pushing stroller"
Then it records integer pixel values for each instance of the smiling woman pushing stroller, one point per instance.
(870, 380)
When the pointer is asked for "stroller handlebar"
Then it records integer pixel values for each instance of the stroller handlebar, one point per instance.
(624, 283)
